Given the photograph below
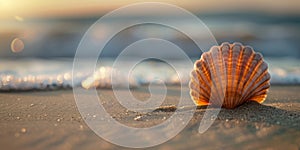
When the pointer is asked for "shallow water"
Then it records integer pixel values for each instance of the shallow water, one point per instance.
(45, 74)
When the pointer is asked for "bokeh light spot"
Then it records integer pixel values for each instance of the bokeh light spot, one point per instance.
(17, 45)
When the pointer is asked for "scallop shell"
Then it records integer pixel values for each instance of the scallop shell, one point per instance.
(228, 76)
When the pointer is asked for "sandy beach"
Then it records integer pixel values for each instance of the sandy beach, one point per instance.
(51, 120)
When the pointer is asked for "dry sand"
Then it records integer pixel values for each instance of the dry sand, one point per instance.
(50, 120)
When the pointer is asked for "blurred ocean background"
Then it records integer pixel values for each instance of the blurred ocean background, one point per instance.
(50, 44)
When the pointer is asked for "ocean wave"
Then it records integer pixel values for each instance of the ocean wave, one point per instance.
(24, 75)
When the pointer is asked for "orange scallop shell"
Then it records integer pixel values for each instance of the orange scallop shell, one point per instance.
(228, 76)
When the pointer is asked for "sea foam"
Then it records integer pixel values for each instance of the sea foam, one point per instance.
(37, 74)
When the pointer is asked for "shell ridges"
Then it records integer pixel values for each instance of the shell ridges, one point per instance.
(229, 75)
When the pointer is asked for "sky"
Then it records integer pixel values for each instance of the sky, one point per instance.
(9, 9)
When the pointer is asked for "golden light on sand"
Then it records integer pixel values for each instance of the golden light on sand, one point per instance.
(17, 45)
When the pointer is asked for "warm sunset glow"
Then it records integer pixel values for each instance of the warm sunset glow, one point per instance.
(77, 8)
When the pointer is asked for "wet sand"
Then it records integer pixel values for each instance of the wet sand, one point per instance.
(51, 120)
